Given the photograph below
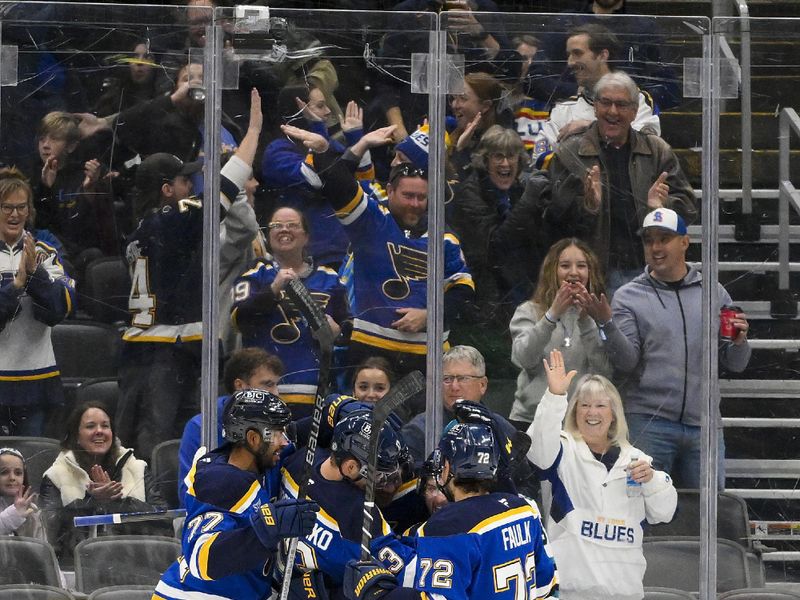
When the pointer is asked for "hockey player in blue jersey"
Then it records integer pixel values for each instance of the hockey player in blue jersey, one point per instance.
(232, 527)
(337, 483)
(482, 544)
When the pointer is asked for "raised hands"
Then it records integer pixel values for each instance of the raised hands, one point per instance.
(353, 117)
(101, 487)
(27, 263)
(558, 379)
(658, 194)
(313, 141)
(91, 174)
(49, 171)
(24, 501)
(469, 131)
(597, 308)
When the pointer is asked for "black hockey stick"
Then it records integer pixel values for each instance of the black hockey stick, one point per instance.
(409, 386)
(321, 330)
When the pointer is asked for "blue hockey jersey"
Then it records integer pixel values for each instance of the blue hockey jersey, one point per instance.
(221, 556)
(488, 546)
(278, 327)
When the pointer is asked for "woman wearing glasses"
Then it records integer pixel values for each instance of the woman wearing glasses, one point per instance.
(35, 295)
(267, 319)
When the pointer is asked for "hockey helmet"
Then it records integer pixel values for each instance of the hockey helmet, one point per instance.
(351, 439)
(472, 451)
(254, 409)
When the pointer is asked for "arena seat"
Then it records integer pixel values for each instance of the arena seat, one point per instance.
(164, 466)
(658, 593)
(123, 592)
(106, 289)
(673, 562)
(104, 389)
(122, 560)
(86, 350)
(33, 592)
(759, 594)
(27, 560)
(39, 453)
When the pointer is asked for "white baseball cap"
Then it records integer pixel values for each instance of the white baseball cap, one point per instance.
(664, 218)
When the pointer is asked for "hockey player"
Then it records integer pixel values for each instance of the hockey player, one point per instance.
(232, 527)
(337, 483)
(482, 544)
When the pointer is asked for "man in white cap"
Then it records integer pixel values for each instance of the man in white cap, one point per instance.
(653, 335)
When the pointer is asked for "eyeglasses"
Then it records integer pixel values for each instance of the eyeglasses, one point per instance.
(620, 104)
(8, 209)
(499, 157)
(459, 379)
(406, 170)
(287, 225)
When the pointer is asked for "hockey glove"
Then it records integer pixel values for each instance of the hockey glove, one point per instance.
(367, 580)
(286, 518)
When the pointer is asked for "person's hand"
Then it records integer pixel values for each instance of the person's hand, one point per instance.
(558, 379)
(105, 492)
(181, 94)
(49, 171)
(640, 471)
(98, 474)
(353, 117)
(27, 263)
(379, 137)
(283, 277)
(91, 174)
(465, 20)
(313, 141)
(740, 322)
(285, 518)
(658, 194)
(89, 124)
(256, 117)
(469, 131)
(333, 325)
(597, 308)
(572, 127)
(367, 580)
(592, 189)
(399, 134)
(563, 300)
(413, 320)
(24, 501)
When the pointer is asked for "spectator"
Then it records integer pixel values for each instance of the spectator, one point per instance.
(482, 201)
(268, 320)
(18, 513)
(161, 355)
(481, 105)
(136, 80)
(553, 319)
(389, 249)
(590, 49)
(35, 295)
(465, 378)
(70, 197)
(304, 106)
(595, 525)
(92, 474)
(246, 369)
(372, 379)
(653, 332)
(607, 176)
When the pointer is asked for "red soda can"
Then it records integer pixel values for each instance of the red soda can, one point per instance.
(726, 315)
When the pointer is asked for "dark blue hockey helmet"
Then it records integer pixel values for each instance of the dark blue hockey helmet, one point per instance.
(472, 451)
(351, 440)
(254, 409)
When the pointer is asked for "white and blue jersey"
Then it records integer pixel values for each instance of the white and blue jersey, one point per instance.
(486, 546)
(221, 556)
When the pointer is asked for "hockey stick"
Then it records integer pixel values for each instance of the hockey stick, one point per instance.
(399, 393)
(321, 330)
(129, 517)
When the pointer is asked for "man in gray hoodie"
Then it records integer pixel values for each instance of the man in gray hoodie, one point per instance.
(654, 340)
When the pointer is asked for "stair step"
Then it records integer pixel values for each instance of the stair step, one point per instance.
(758, 267)
(685, 129)
(760, 422)
(765, 494)
(759, 388)
(769, 234)
(774, 469)
(764, 166)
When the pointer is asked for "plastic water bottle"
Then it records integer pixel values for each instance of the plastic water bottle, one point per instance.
(632, 487)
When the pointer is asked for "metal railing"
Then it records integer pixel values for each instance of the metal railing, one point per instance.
(786, 192)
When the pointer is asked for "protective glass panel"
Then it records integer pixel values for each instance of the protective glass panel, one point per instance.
(758, 170)
(538, 155)
(100, 254)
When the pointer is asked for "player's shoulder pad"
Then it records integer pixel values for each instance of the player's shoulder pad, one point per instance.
(224, 485)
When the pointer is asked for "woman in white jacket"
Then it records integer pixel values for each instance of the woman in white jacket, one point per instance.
(595, 526)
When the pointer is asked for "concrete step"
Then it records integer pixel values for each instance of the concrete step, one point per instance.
(765, 166)
(685, 129)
